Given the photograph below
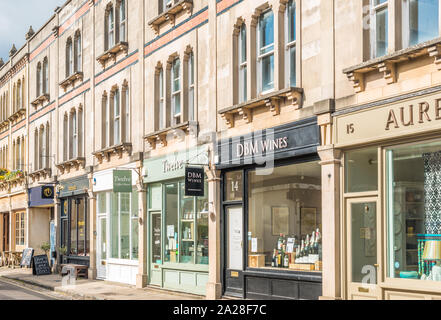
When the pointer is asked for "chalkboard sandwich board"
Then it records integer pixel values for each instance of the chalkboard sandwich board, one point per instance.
(41, 266)
(26, 258)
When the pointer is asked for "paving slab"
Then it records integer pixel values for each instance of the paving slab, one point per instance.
(92, 289)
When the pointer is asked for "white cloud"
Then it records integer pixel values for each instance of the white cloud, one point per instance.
(17, 15)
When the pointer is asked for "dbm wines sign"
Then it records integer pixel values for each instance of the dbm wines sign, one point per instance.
(264, 146)
(194, 182)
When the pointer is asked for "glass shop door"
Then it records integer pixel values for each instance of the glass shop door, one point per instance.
(155, 249)
(362, 249)
(102, 248)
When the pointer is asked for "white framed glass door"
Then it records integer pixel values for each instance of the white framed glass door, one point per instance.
(235, 238)
(102, 247)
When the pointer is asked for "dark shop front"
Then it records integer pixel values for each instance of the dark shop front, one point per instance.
(271, 204)
(74, 221)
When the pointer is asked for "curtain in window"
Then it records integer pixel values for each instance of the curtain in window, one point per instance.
(432, 181)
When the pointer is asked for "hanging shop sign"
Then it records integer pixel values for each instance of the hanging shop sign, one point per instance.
(47, 192)
(265, 146)
(122, 181)
(194, 182)
(403, 117)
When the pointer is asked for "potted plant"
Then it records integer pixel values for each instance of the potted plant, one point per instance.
(46, 247)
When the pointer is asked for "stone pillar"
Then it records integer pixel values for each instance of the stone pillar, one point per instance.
(141, 277)
(331, 164)
(92, 229)
(214, 286)
(279, 45)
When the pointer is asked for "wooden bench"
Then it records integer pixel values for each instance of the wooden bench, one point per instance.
(79, 270)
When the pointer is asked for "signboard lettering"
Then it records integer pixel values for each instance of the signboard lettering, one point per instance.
(194, 182)
(262, 146)
(122, 181)
(41, 266)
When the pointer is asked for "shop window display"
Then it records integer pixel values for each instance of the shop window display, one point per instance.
(284, 218)
(361, 170)
(186, 226)
(413, 176)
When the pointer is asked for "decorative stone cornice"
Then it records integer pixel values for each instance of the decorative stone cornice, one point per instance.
(290, 96)
(107, 153)
(43, 173)
(66, 166)
(70, 81)
(169, 15)
(17, 115)
(14, 69)
(159, 138)
(112, 53)
(41, 100)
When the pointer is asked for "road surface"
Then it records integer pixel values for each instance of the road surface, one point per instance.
(10, 291)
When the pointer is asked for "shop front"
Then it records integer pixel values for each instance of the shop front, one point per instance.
(117, 224)
(178, 224)
(4, 225)
(19, 223)
(271, 200)
(74, 221)
(41, 218)
(391, 210)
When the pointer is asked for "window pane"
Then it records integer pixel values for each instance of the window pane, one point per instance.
(414, 211)
(81, 228)
(202, 212)
(284, 211)
(423, 20)
(176, 104)
(73, 229)
(266, 32)
(243, 44)
(234, 186)
(361, 170)
(292, 64)
(191, 104)
(381, 32)
(243, 84)
(268, 73)
(155, 197)
(187, 227)
(291, 21)
(102, 202)
(125, 225)
(171, 223)
(114, 225)
(135, 225)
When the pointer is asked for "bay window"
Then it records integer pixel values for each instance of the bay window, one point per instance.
(265, 47)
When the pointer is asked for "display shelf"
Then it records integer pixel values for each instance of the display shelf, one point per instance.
(187, 240)
(187, 220)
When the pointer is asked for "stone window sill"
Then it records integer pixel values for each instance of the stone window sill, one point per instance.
(160, 137)
(170, 14)
(112, 53)
(387, 64)
(70, 81)
(66, 166)
(118, 149)
(272, 100)
(40, 100)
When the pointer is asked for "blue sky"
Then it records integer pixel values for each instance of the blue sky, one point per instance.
(17, 15)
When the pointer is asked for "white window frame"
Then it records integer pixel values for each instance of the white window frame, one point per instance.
(161, 94)
(78, 57)
(176, 117)
(126, 108)
(260, 56)
(45, 76)
(116, 118)
(290, 45)
(191, 87)
(74, 135)
(122, 22)
(242, 64)
(111, 28)
(373, 30)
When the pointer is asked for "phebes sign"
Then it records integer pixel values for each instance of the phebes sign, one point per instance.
(194, 182)
(47, 192)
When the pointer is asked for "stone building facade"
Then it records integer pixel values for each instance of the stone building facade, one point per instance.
(280, 101)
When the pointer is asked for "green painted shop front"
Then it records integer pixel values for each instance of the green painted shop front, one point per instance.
(177, 230)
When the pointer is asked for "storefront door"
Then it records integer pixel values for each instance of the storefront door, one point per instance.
(362, 223)
(156, 249)
(234, 271)
(101, 258)
(5, 232)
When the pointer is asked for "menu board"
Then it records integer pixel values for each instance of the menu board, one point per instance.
(41, 266)
(26, 259)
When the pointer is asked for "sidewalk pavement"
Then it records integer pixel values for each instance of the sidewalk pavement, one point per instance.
(92, 289)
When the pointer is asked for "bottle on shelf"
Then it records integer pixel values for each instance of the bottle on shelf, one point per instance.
(319, 244)
(274, 259)
(302, 252)
(306, 260)
(297, 254)
(279, 259)
(280, 242)
(286, 261)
